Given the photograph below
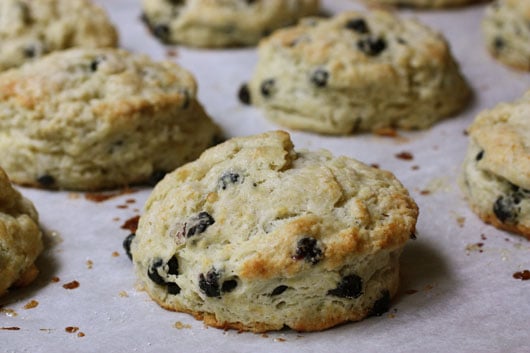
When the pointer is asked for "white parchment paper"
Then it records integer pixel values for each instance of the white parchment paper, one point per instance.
(457, 293)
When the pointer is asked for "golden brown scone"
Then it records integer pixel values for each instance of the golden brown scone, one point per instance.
(222, 23)
(357, 72)
(496, 171)
(257, 236)
(20, 237)
(30, 29)
(506, 28)
(89, 119)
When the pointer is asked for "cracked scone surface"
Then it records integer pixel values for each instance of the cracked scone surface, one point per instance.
(506, 29)
(20, 237)
(256, 236)
(32, 28)
(424, 3)
(221, 23)
(357, 72)
(89, 119)
(496, 171)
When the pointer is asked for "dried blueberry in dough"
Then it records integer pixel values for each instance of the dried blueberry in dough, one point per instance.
(199, 223)
(358, 25)
(127, 244)
(382, 305)
(320, 78)
(371, 46)
(350, 286)
(307, 249)
(268, 87)
(228, 179)
(209, 283)
(154, 274)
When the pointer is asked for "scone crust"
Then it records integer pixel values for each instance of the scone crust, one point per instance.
(222, 23)
(258, 200)
(496, 171)
(90, 119)
(357, 72)
(507, 33)
(32, 28)
(20, 237)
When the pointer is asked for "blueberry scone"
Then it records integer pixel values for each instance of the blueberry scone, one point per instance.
(89, 119)
(496, 171)
(256, 236)
(356, 72)
(221, 23)
(424, 3)
(32, 28)
(506, 28)
(20, 237)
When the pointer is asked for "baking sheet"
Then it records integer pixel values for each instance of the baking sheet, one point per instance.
(457, 293)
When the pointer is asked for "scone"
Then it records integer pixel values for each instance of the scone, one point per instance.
(506, 28)
(496, 171)
(20, 237)
(32, 28)
(424, 3)
(89, 119)
(257, 236)
(222, 23)
(357, 72)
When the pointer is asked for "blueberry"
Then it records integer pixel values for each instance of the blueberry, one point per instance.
(479, 155)
(209, 284)
(350, 287)
(371, 46)
(153, 274)
(498, 43)
(186, 100)
(172, 269)
(30, 52)
(307, 249)
(156, 176)
(173, 288)
(381, 305)
(506, 208)
(95, 63)
(127, 244)
(229, 286)
(278, 290)
(46, 180)
(228, 179)
(173, 266)
(320, 78)
(161, 31)
(244, 94)
(358, 25)
(267, 87)
(199, 224)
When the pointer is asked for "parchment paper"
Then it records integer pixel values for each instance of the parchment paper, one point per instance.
(457, 294)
